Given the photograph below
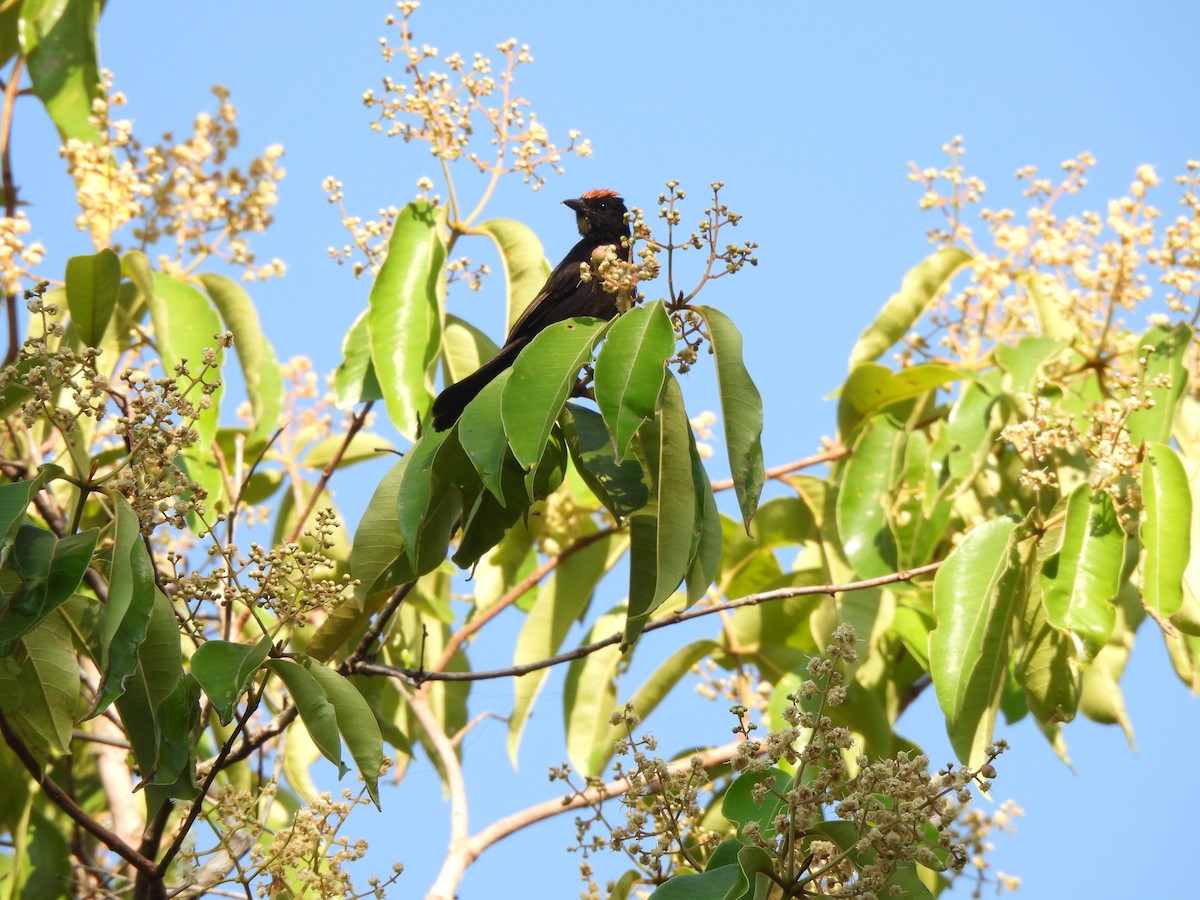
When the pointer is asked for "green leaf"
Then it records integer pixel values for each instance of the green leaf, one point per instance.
(590, 691)
(481, 434)
(130, 603)
(524, 261)
(356, 723)
(1047, 667)
(39, 686)
(58, 38)
(708, 540)
(260, 367)
(863, 498)
(428, 499)
(1024, 360)
(354, 380)
(619, 486)
(630, 369)
(1048, 299)
(561, 601)
(1080, 582)
(741, 411)
(224, 670)
(740, 806)
(50, 570)
(872, 387)
(377, 541)
(902, 310)
(316, 711)
(92, 284)
(724, 883)
(16, 496)
(542, 378)
(403, 321)
(464, 348)
(1164, 380)
(661, 536)
(1166, 514)
(976, 596)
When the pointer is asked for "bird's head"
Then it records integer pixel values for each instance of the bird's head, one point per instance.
(600, 214)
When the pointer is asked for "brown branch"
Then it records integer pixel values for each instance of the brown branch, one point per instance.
(10, 198)
(469, 850)
(816, 459)
(67, 804)
(417, 676)
(456, 640)
(356, 424)
(376, 629)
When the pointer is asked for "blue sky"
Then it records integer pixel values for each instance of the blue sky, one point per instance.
(809, 113)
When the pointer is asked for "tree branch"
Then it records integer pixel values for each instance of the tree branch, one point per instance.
(418, 676)
(356, 424)
(833, 453)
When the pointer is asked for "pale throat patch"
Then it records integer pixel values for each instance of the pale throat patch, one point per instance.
(582, 223)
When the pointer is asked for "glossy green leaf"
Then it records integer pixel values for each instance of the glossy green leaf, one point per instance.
(741, 807)
(403, 323)
(39, 686)
(428, 499)
(975, 599)
(49, 570)
(630, 369)
(129, 606)
(542, 378)
(707, 539)
(481, 434)
(900, 313)
(741, 411)
(619, 486)
(377, 541)
(871, 388)
(92, 284)
(561, 600)
(260, 366)
(723, 883)
(58, 38)
(1165, 530)
(464, 348)
(356, 724)
(354, 380)
(316, 710)
(524, 261)
(1080, 582)
(864, 498)
(1165, 380)
(224, 670)
(1047, 663)
(661, 536)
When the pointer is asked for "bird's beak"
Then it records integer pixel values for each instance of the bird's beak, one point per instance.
(574, 204)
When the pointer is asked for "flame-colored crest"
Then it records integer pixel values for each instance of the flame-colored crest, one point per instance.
(600, 192)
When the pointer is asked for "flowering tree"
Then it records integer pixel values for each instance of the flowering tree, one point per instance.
(999, 511)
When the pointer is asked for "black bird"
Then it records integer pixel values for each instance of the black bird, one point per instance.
(600, 216)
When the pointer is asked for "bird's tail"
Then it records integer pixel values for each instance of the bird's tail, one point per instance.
(451, 402)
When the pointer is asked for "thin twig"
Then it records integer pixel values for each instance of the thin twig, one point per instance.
(417, 676)
(356, 424)
(10, 198)
(816, 459)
